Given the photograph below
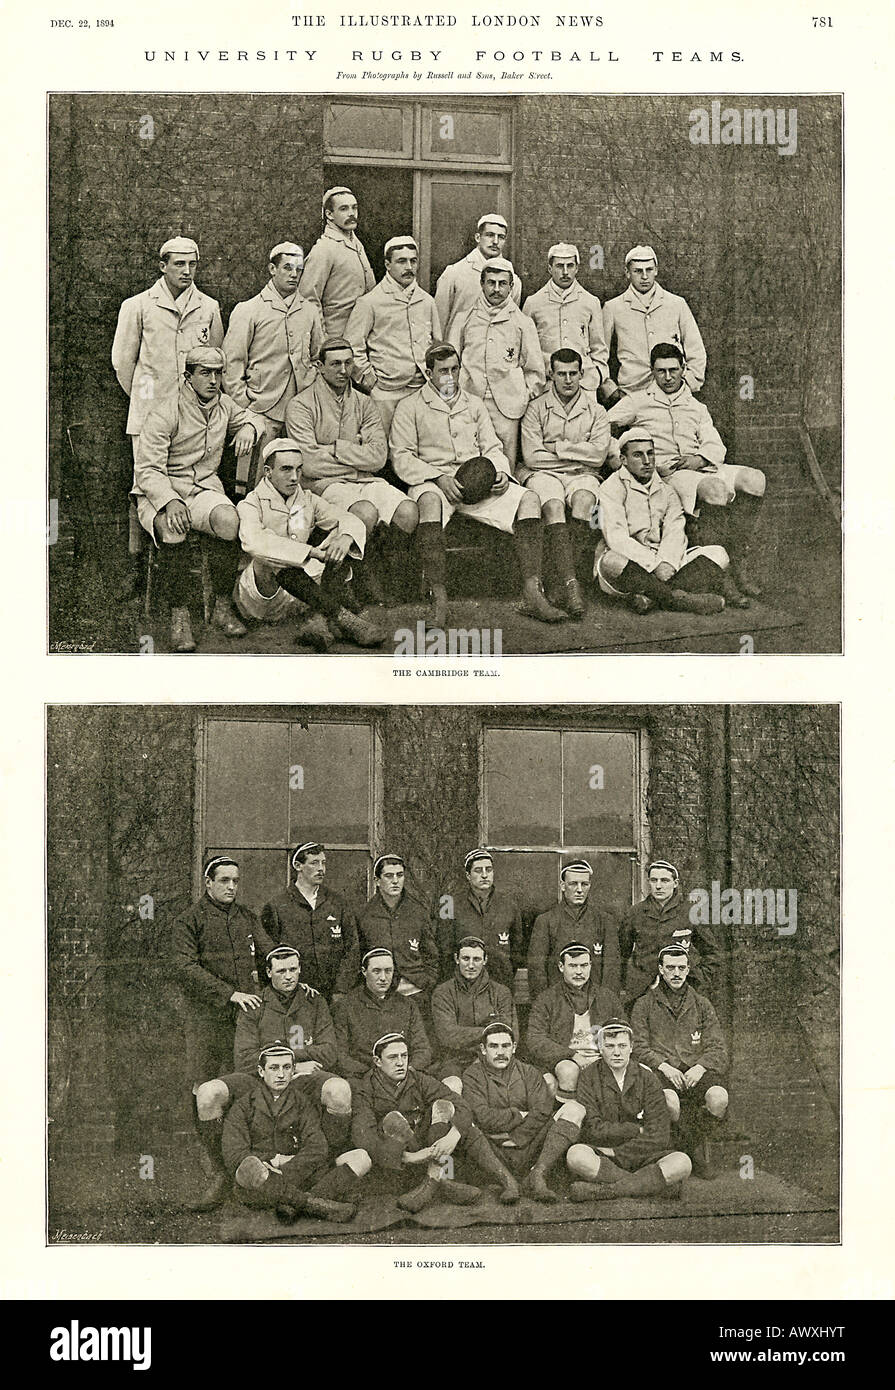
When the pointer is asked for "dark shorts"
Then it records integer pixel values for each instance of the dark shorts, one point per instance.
(695, 1095)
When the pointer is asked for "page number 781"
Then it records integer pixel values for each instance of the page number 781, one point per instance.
(821, 21)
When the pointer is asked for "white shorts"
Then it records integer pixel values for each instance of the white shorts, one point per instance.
(685, 482)
(380, 494)
(499, 512)
(603, 550)
(201, 502)
(561, 487)
(253, 604)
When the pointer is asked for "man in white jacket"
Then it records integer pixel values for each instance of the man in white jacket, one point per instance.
(501, 355)
(298, 543)
(644, 315)
(271, 345)
(567, 316)
(459, 285)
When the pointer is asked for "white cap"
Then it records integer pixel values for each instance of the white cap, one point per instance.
(641, 253)
(564, 249)
(329, 193)
(279, 446)
(492, 217)
(285, 248)
(498, 263)
(638, 432)
(396, 241)
(179, 246)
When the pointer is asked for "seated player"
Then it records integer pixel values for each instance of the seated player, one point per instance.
(290, 1010)
(501, 356)
(339, 432)
(575, 918)
(274, 1149)
(513, 1108)
(643, 554)
(298, 543)
(411, 1125)
(690, 457)
(373, 1009)
(565, 1019)
(565, 439)
(677, 1033)
(401, 923)
(662, 918)
(625, 1145)
(177, 489)
(483, 911)
(463, 1006)
(433, 433)
(644, 314)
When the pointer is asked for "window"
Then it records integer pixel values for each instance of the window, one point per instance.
(548, 794)
(430, 167)
(266, 785)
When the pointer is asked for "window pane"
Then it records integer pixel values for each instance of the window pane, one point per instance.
(330, 776)
(347, 872)
(532, 878)
(262, 874)
(367, 129)
(456, 204)
(613, 877)
(598, 789)
(470, 135)
(522, 787)
(247, 783)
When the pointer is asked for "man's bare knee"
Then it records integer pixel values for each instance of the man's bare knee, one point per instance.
(224, 522)
(336, 1096)
(612, 564)
(716, 1101)
(583, 503)
(406, 516)
(675, 1167)
(672, 1100)
(358, 1160)
(567, 1074)
(164, 533)
(550, 1079)
(529, 506)
(395, 1126)
(573, 1111)
(442, 1112)
(712, 491)
(211, 1099)
(430, 506)
(453, 1083)
(251, 1173)
(582, 1161)
(553, 511)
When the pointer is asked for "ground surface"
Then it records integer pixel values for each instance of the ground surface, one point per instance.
(798, 566)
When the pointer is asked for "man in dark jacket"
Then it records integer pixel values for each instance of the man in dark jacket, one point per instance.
(317, 921)
(274, 1148)
(291, 1010)
(479, 909)
(399, 922)
(677, 1033)
(405, 1119)
(215, 948)
(463, 1006)
(576, 917)
(625, 1148)
(513, 1108)
(565, 1019)
(663, 917)
(373, 1009)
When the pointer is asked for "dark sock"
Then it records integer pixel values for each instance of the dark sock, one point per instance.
(175, 561)
(558, 560)
(744, 514)
(297, 583)
(699, 576)
(584, 543)
(430, 544)
(223, 566)
(634, 579)
(529, 538)
(714, 525)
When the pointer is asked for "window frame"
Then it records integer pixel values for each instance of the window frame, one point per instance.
(639, 857)
(255, 716)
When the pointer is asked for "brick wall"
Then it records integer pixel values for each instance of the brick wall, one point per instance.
(747, 795)
(750, 238)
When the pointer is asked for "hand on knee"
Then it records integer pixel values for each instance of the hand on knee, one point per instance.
(358, 1160)
(336, 1096)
